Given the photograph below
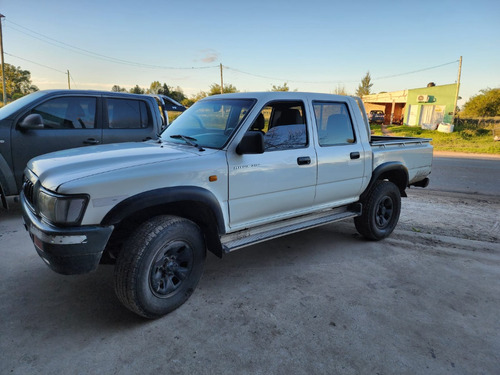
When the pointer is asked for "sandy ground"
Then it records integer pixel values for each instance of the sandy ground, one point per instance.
(467, 216)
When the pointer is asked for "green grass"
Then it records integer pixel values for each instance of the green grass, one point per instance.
(467, 137)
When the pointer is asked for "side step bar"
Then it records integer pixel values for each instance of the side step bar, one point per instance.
(252, 236)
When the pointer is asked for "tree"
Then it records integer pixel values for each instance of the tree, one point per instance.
(17, 82)
(281, 88)
(194, 98)
(117, 88)
(137, 90)
(486, 104)
(340, 90)
(177, 94)
(155, 87)
(215, 89)
(164, 90)
(365, 87)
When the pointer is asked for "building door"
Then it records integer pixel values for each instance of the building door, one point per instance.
(438, 114)
(412, 115)
(432, 114)
(426, 114)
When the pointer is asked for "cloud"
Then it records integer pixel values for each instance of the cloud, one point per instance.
(210, 55)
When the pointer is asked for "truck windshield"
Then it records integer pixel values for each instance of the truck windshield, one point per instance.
(210, 123)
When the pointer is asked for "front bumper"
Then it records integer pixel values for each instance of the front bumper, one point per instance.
(68, 251)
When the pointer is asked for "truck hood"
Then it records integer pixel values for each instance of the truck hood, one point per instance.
(59, 167)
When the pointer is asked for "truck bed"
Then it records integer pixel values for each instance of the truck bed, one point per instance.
(414, 153)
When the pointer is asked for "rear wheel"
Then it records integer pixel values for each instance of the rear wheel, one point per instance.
(381, 209)
(160, 266)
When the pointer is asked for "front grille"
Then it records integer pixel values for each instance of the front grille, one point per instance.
(28, 190)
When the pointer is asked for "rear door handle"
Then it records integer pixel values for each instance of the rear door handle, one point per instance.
(355, 155)
(91, 141)
(303, 160)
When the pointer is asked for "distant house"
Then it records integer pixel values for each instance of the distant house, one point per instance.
(415, 107)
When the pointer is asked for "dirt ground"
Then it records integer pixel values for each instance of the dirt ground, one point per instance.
(467, 216)
(323, 301)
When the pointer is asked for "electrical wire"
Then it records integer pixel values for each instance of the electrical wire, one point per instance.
(88, 53)
(33, 62)
(329, 82)
(85, 52)
(416, 71)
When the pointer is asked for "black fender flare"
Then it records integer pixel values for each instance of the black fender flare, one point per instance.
(191, 202)
(158, 197)
(394, 171)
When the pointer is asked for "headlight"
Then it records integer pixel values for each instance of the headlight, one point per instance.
(61, 209)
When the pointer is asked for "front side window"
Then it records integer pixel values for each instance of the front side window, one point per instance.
(283, 125)
(67, 113)
(127, 114)
(334, 124)
(208, 123)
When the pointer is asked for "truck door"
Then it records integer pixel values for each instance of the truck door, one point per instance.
(341, 156)
(281, 181)
(127, 120)
(68, 122)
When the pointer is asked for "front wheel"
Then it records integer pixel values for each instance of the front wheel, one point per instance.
(160, 266)
(381, 209)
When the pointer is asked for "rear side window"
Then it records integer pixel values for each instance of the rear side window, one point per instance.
(334, 124)
(67, 113)
(127, 114)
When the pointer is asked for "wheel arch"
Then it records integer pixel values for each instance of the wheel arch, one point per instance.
(394, 171)
(193, 203)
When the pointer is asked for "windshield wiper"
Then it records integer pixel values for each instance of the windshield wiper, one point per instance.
(189, 140)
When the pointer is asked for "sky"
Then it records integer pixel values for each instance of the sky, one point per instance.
(314, 45)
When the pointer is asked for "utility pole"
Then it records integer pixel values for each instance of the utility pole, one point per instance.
(221, 80)
(458, 86)
(3, 63)
(69, 86)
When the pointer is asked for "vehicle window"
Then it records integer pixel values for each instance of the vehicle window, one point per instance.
(127, 114)
(283, 125)
(209, 123)
(333, 123)
(67, 113)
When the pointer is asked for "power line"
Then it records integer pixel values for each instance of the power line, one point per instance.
(33, 62)
(339, 81)
(94, 54)
(417, 71)
(281, 79)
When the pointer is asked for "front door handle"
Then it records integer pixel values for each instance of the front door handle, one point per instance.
(355, 155)
(303, 160)
(91, 141)
(147, 139)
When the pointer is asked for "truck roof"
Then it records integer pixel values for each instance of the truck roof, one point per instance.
(286, 95)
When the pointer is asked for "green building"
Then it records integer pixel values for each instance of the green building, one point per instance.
(430, 105)
(426, 106)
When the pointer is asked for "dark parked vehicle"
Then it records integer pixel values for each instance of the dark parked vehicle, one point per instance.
(376, 116)
(53, 120)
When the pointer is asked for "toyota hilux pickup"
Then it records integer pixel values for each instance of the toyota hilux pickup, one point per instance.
(231, 171)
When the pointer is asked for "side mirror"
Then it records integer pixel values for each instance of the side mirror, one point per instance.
(251, 143)
(33, 121)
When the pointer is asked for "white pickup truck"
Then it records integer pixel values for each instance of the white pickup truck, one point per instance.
(231, 171)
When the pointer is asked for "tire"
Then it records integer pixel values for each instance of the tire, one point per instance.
(160, 266)
(381, 209)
